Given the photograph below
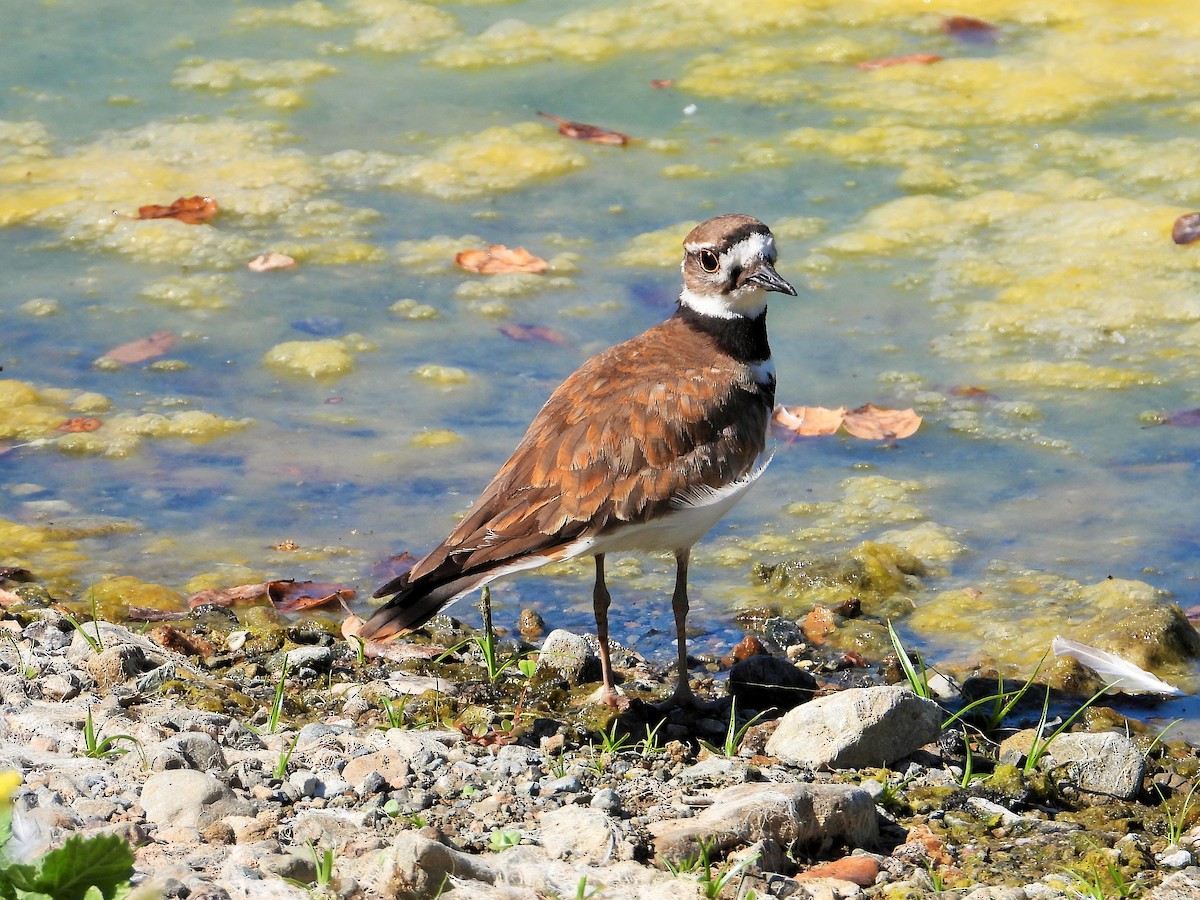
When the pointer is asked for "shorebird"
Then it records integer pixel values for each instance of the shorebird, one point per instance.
(643, 448)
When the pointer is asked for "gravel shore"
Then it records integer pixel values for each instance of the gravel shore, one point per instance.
(408, 784)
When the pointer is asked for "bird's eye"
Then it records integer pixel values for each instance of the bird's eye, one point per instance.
(709, 261)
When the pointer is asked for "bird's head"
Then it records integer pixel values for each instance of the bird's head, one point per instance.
(729, 266)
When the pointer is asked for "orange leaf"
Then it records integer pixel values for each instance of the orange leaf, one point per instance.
(542, 333)
(924, 59)
(810, 421)
(243, 593)
(266, 262)
(874, 424)
(290, 596)
(189, 210)
(78, 424)
(498, 259)
(143, 349)
(581, 131)
(1187, 229)
(662, 82)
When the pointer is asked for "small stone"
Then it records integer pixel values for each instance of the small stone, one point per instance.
(187, 798)
(317, 658)
(218, 833)
(1175, 857)
(531, 625)
(567, 784)
(606, 800)
(763, 682)
(306, 783)
(568, 656)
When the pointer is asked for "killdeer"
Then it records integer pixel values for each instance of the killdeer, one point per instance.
(643, 448)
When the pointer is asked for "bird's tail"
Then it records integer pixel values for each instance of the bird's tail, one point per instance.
(416, 602)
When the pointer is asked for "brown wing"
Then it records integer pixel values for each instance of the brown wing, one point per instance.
(621, 439)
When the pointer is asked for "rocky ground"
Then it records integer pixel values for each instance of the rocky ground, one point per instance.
(414, 777)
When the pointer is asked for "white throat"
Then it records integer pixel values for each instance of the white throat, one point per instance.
(746, 302)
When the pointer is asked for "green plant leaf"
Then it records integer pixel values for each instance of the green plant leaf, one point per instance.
(104, 862)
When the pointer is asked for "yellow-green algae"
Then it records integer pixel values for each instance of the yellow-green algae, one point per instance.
(328, 358)
(113, 596)
(497, 159)
(34, 414)
(193, 291)
(443, 376)
(1022, 611)
(42, 549)
(90, 194)
(227, 74)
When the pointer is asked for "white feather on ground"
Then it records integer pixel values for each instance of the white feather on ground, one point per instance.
(1117, 672)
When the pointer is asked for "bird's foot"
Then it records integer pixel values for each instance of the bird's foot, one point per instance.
(608, 695)
(683, 698)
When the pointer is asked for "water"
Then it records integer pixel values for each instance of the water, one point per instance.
(999, 220)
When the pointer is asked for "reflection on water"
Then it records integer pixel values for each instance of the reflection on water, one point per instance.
(986, 237)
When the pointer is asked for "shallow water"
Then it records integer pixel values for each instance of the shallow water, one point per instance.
(999, 220)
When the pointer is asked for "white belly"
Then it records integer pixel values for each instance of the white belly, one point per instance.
(690, 519)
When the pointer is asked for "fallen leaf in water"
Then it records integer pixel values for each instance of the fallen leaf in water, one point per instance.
(286, 546)
(266, 262)
(143, 349)
(1187, 229)
(971, 391)
(874, 424)
(1182, 418)
(243, 593)
(189, 210)
(581, 131)
(810, 421)
(969, 30)
(78, 424)
(290, 596)
(153, 614)
(541, 333)
(498, 259)
(886, 62)
(15, 573)
(393, 566)
(662, 82)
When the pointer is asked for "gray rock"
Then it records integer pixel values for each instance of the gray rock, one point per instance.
(1178, 886)
(191, 750)
(607, 800)
(788, 814)
(415, 866)
(388, 765)
(1107, 763)
(856, 728)
(190, 799)
(317, 658)
(568, 656)
(567, 784)
(306, 783)
(767, 682)
(997, 893)
(579, 834)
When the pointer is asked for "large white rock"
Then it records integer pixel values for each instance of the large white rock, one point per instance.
(857, 728)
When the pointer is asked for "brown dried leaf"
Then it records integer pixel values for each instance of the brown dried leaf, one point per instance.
(397, 651)
(969, 30)
(542, 333)
(498, 260)
(153, 614)
(874, 424)
(266, 262)
(886, 62)
(8, 598)
(662, 82)
(189, 210)
(810, 421)
(243, 593)
(581, 131)
(393, 566)
(290, 596)
(78, 424)
(1186, 229)
(143, 349)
